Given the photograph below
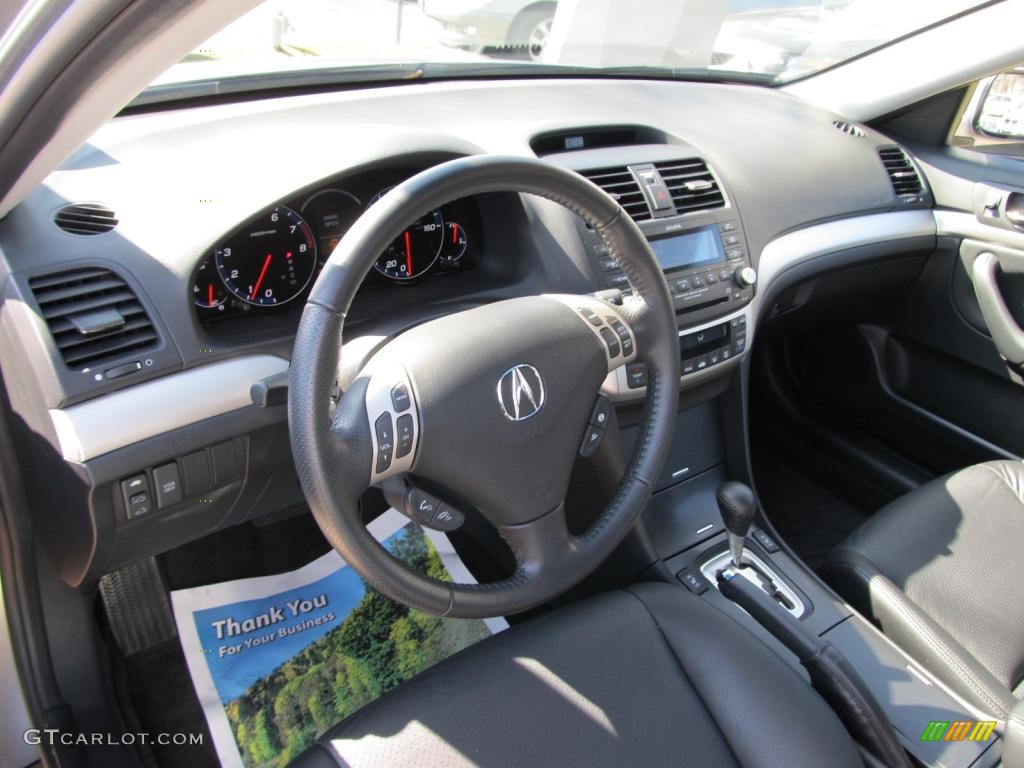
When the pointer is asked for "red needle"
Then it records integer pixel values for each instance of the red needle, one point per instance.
(209, 293)
(455, 234)
(259, 280)
(408, 254)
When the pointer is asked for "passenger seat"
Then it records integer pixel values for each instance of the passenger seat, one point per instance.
(941, 572)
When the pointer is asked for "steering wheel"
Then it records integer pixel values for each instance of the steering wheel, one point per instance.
(490, 404)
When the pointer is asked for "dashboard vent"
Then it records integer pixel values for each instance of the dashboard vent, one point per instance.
(849, 128)
(85, 219)
(902, 173)
(93, 316)
(624, 189)
(692, 185)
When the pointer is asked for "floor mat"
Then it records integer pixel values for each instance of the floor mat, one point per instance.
(807, 516)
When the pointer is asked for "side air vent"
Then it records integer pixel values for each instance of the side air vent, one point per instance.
(849, 128)
(93, 315)
(620, 184)
(693, 187)
(902, 173)
(85, 219)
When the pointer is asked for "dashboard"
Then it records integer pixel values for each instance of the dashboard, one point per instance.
(270, 262)
(153, 284)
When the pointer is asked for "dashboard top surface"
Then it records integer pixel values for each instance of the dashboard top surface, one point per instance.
(181, 182)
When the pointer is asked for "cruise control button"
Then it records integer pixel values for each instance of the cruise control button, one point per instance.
(403, 428)
(611, 341)
(623, 333)
(601, 413)
(591, 439)
(400, 397)
(591, 317)
(385, 441)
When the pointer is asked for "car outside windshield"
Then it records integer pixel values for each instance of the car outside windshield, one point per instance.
(769, 41)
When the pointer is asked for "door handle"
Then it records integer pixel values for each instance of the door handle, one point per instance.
(1007, 335)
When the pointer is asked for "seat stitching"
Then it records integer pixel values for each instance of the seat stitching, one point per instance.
(882, 736)
(949, 655)
(682, 668)
(1004, 481)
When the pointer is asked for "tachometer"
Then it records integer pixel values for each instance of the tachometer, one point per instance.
(415, 250)
(271, 262)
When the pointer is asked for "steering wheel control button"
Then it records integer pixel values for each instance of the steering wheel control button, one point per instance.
(168, 485)
(400, 398)
(421, 506)
(592, 318)
(611, 341)
(602, 412)
(693, 581)
(385, 432)
(135, 493)
(447, 519)
(404, 431)
(591, 441)
(623, 333)
(636, 376)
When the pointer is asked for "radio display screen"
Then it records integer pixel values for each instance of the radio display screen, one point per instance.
(702, 246)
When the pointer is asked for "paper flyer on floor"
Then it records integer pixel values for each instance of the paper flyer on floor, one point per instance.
(276, 660)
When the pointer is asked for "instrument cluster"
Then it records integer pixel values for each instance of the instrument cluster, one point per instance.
(273, 259)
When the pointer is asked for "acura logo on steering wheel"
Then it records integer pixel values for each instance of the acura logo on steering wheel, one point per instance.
(521, 392)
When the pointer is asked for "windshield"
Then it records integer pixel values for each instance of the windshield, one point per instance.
(770, 41)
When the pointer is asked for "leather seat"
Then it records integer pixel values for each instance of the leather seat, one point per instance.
(649, 675)
(940, 571)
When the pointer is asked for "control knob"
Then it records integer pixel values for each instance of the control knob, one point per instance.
(745, 277)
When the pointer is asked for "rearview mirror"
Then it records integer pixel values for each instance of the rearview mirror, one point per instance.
(1002, 113)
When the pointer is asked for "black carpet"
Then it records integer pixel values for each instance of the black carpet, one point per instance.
(810, 518)
(154, 685)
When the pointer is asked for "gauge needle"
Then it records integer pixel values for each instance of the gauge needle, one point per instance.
(408, 253)
(455, 234)
(263, 272)
(209, 293)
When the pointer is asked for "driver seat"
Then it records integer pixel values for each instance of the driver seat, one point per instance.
(649, 675)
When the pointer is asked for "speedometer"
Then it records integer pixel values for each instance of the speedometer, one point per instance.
(271, 262)
(415, 250)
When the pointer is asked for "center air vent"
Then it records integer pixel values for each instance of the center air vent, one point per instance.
(93, 315)
(902, 173)
(692, 185)
(85, 219)
(623, 188)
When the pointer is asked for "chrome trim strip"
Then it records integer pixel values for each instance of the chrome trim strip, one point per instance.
(965, 226)
(820, 239)
(779, 255)
(150, 409)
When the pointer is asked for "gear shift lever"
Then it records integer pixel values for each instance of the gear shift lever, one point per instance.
(736, 503)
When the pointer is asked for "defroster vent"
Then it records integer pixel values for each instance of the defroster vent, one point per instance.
(94, 316)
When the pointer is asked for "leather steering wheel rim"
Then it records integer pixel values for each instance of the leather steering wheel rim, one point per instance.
(334, 455)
